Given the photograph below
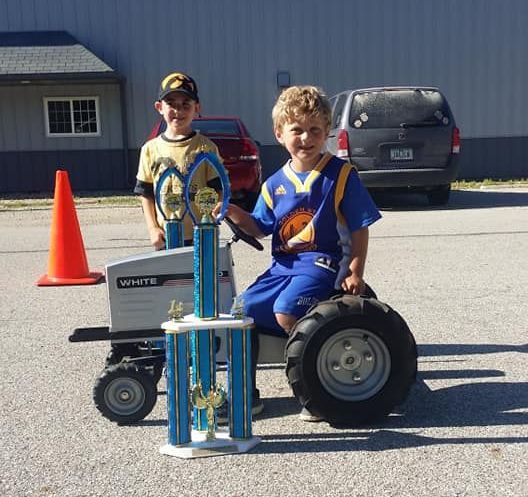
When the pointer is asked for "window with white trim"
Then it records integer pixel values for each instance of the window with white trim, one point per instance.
(72, 116)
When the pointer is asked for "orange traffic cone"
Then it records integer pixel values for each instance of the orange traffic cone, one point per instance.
(67, 263)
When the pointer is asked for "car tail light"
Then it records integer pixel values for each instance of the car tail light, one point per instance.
(342, 144)
(455, 141)
(156, 130)
(249, 150)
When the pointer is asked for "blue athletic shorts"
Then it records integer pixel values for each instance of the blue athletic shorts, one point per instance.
(285, 294)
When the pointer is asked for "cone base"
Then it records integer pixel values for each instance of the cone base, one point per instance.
(91, 279)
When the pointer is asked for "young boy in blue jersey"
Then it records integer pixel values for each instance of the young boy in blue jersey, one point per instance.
(318, 213)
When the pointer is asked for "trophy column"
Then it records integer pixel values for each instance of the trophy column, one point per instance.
(178, 406)
(205, 299)
(240, 383)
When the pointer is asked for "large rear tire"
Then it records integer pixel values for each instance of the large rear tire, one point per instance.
(351, 360)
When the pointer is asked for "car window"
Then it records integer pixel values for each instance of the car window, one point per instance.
(216, 127)
(338, 110)
(399, 108)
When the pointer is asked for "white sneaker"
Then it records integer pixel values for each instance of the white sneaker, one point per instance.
(307, 416)
(222, 417)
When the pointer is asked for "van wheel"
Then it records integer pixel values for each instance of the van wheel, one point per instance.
(351, 360)
(125, 393)
(439, 196)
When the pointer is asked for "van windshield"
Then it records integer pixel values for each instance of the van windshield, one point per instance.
(399, 108)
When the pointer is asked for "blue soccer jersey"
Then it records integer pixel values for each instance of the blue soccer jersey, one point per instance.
(311, 216)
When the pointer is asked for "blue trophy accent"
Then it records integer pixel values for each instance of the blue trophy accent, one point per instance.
(203, 370)
(179, 417)
(240, 383)
(172, 203)
(206, 271)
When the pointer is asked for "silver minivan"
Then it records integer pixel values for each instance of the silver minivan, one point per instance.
(398, 138)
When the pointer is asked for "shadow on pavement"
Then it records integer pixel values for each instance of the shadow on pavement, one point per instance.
(460, 199)
(469, 404)
(370, 442)
(468, 349)
(474, 404)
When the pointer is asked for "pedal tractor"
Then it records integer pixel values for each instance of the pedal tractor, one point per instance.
(350, 359)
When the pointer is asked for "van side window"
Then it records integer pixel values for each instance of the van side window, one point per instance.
(338, 110)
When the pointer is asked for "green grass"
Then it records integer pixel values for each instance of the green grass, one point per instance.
(471, 184)
(91, 199)
(20, 201)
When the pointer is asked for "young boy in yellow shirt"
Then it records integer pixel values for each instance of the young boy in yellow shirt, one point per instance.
(178, 145)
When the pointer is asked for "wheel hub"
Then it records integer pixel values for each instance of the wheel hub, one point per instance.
(351, 360)
(124, 396)
(353, 364)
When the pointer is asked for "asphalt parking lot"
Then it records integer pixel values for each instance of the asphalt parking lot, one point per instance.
(458, 275)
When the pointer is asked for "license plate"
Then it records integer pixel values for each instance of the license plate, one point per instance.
(401, 154)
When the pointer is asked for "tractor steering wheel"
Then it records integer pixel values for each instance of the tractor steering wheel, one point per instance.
(239, 234)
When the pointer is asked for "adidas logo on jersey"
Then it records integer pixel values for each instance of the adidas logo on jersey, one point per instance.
(280, 190)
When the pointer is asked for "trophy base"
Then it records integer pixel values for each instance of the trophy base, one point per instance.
(222, 445)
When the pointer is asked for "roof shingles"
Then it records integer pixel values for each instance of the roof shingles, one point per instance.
(47, 53)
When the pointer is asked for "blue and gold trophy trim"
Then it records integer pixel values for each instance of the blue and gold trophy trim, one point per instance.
(172, 205)
(197, 332)
(206, 241)
(179, 412)
(206, 235)
(240, 384)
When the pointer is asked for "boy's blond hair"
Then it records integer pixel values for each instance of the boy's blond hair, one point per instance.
(299, 102)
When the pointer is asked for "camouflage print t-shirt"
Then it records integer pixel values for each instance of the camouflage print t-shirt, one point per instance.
(158, 154)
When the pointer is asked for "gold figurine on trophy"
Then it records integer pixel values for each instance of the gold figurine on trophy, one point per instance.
(213, 400)
(175, 310)
(237, 309)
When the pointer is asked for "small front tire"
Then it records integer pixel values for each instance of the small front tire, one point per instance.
(125, 393)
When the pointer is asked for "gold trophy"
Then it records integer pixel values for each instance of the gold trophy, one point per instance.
(213, 400)
(206, 200)
(173, 202)
(175, 310)
(237, 310)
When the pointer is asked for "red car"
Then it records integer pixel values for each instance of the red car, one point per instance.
(240, 154)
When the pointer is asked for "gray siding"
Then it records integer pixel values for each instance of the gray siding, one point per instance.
(88, 170)
(22, 118)
(474, 50)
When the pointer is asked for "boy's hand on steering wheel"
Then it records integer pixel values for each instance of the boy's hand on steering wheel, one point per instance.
(353, 284)
(216, 210)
